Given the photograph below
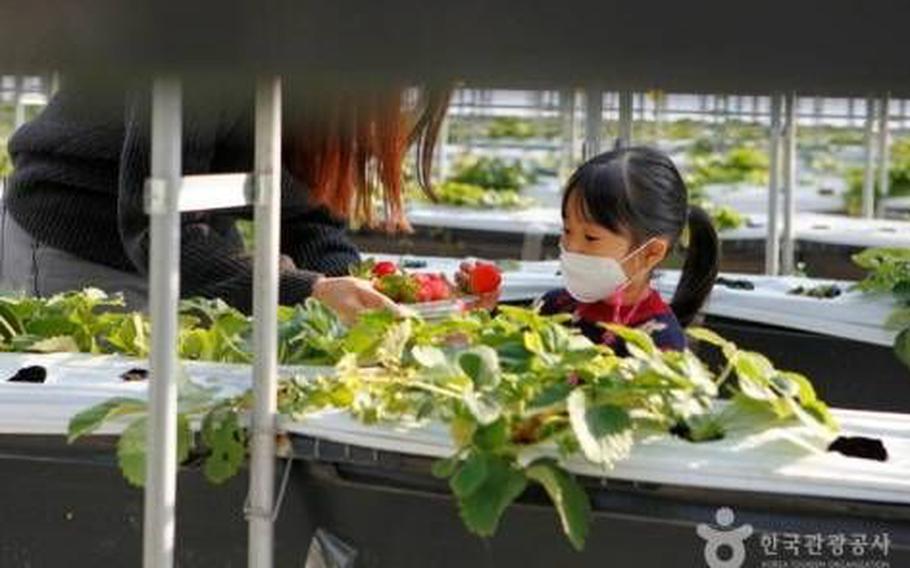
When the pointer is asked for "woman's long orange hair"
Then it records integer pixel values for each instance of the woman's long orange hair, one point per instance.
(349, 148)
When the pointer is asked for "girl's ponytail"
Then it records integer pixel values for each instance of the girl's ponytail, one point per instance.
(700, 269)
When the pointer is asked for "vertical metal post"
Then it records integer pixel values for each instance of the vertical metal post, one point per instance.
(164, 294)
(54, 84)
(625, 118)
(720, 121)
(818, 106)
(19, 107)
(567, 116)
(265, 322)
(868, 200)
(772, 242)
(883, 153)
(789, 165)
(594, 108)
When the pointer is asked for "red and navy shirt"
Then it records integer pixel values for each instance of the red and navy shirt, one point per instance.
(651, 315)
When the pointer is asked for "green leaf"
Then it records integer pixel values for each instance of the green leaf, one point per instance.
(533, 342)
(365, 336)
(462, 429)
(604, 432)
(899, 319)
(483, 408)
(568, 497)
(445, 468)
(131, 452)
(394, 342)
(785, 386)
(226, 443)
(58, 344)
(551, 395)
(492, 437)
(470, 476)
(132, 449)
(481, 364)
(754, 373)
(805, 392)
(429, 357)
(90, 419)
(634, 338)
(819, 411)
(902, 347)
(502, 484)
(706, 335)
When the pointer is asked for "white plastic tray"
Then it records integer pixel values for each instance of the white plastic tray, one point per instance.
(783, 460)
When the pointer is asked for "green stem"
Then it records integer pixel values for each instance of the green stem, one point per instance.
(417, 384)
(726, 374)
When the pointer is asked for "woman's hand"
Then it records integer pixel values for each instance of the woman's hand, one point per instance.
(486, 300)
(349, 296)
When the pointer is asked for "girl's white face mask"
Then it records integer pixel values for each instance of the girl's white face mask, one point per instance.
(591, 278)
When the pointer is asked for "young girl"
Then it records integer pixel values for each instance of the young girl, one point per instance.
(623, 212)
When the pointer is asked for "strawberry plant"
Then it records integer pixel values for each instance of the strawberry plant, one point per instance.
(889, 273)
(461, 194)
(520, 393)
(492, 173)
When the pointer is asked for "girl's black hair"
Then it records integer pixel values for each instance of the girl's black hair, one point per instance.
(637, 191)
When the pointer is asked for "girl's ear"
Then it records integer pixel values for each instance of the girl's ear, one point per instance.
(654, 253)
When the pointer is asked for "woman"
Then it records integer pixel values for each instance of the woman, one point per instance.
(73, 211)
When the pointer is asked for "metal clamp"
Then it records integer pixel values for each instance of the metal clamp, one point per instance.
(250, 512)
(155, 196)
(262, 188)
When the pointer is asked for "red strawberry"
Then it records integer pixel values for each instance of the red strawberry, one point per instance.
(485, 278)
(439, 287)
(384, 268)
(425, 287)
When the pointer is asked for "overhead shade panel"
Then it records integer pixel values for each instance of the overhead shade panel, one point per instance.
(834, 47)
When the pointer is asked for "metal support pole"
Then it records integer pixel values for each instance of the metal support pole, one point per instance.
(567, 116)
(625, 118)
(594, 108)
(818, 106)
(788, 248)
(265, 322)
(868, 202)
(164, 294)
(883, 154)
(19, 107)
(720, 121)
(772, 242)
(54, 84)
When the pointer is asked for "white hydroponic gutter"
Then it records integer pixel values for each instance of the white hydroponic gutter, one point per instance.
(809, 227)
(788, 460)
(852, 315)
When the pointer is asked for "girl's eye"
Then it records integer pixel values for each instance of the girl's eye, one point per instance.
(591, 238)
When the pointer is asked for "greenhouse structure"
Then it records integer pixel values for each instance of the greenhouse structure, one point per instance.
(390, 284)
